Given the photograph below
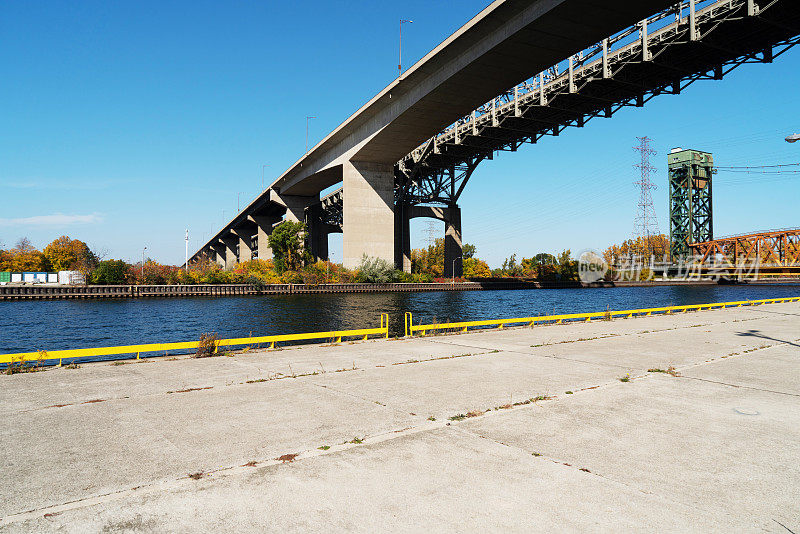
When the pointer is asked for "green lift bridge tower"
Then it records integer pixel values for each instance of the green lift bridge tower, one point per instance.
(690, 213)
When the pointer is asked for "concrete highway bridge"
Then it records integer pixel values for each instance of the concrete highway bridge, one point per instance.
(518, 71)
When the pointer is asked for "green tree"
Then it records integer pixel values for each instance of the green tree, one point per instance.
(286, 242)
(567, 267)
(110, 272)
(468, 251)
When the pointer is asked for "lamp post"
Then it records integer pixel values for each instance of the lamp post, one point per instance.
(262, 175)
(793, 138)
(186, 264)
(400, 55)
(454, 269)
(238, 209)
(145, 248)
(308, 119)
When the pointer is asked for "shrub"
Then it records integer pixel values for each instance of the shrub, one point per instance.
(402, 276)
(291, 277)
(207, 346)
(375, 270)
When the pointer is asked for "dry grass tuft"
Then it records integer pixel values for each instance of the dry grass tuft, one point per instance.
(207, 346)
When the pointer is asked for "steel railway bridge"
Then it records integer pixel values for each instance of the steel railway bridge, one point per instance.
(662, 54)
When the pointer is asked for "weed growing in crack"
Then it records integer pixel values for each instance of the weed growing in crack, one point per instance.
(626, 378)
(324, 447)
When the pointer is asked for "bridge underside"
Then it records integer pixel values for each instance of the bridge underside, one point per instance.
(662, 55)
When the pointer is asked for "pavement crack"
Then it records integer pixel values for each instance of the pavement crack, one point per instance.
(534, 354)
(739, 386)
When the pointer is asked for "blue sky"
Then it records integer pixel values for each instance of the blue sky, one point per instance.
(124, 123)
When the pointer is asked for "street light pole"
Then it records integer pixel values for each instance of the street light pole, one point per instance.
(262, 175)
(307, 119)
(454, 269)
(238, 209)
(186, 264)
(400, 55)
(145, 248)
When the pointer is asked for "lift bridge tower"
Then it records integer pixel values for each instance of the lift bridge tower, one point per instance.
(690, 200)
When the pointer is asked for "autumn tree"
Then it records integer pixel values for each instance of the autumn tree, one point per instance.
(25, 257)
(475, 268)
(65, 254)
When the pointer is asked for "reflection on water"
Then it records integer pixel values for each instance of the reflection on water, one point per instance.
(52, 325)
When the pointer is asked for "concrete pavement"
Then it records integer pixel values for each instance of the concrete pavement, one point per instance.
(714, 448)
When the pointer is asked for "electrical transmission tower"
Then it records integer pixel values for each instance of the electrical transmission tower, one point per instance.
(646, 225)
(431, 232)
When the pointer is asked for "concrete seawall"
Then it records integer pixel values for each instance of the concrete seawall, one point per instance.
(49, 292)
(665, 423)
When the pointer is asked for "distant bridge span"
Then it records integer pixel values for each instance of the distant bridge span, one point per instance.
(418, 141)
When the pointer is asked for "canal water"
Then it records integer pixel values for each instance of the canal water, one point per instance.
(66, 324)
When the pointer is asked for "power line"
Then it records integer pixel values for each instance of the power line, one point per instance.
(752, 167)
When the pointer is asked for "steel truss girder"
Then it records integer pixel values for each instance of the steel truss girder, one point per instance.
(774, 248)
(633, 80)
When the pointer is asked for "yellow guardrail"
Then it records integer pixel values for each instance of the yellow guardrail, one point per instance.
(464, 326)
(74, 354)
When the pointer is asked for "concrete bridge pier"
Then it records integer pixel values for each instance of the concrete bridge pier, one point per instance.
(244, 240)
(453, 247)
(402, 237)
(317, 237)
(368, 212)
(264, 225)
(230, 243)
(218, 254)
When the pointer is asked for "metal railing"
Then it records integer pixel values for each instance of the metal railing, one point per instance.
(50, 357)
(464, 326)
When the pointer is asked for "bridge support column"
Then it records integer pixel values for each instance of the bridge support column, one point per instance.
(245, 252)
(317, 233)
(453, 251)
(368, 215)
(218, 254)
(402, 237)
(230, 242)
(264, 226)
